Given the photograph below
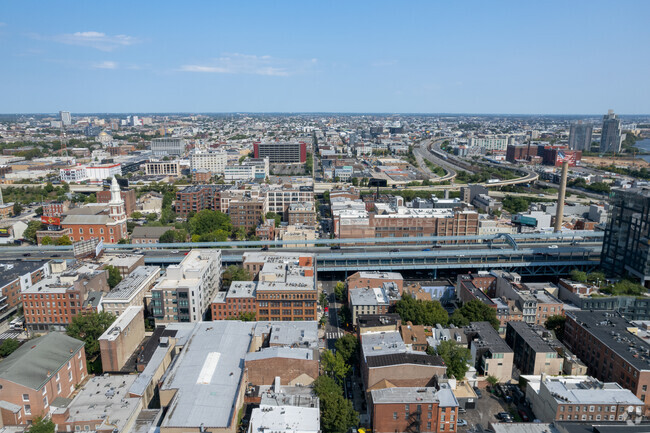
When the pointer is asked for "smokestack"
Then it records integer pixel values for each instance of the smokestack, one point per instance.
(559, 215)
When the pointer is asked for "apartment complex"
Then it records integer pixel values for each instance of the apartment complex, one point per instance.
(241, 297)
(121, 339)
(490, 353)
(131, 291)
(196, 198)
(611, 137)
(213, 162)
(247, 212)
(532, 354)
(372, 299)
(286, 288)
(37, 373)
(610, 347)
(184, 293)
(414, 409)
(580, 136)
(374, 279)
(581, 398)
(162, 168)
(301, 213)
(281, 152)
(16, 277)
(168, 146)
(625, 249)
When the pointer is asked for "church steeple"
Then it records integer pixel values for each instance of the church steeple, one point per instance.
(116, 204)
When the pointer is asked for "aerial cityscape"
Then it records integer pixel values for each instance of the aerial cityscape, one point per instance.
(325, 218)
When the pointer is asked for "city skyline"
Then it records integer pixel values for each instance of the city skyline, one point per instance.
(317, 58)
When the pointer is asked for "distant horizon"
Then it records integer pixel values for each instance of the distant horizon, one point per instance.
(340, 113)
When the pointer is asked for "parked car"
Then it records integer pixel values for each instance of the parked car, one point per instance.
(504, 416)
(461, 422)
(478, 392)
(462, 410)
(523, 415)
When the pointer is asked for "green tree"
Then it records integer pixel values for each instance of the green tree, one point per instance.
(88, 328)
(172, 236)
(596, 277)
(322, 299)
(208, 221)
(235, 273)
(136, 215)
(18, 208)
(41, 425)
(30, 232)
(348, 347)
(123, 241)
(337, 413)
(492, 380)
(64, 240)
(244, 316)
(334, 365)
(114, 276)
(456, 358)
(339, 291)
(39, 211)
(46, 240)
(8, 347)
(556, 323)
(241, 233)
(475, 311)
(151, 217)
(274, 216)
(579, 276)
(355, 181)
(215, 236)
(420, 312)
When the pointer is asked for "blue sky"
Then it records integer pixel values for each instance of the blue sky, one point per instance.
(555, 57)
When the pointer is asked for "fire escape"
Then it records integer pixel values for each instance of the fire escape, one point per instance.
(414, 421)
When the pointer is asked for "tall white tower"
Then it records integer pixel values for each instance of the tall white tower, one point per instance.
(117, 210)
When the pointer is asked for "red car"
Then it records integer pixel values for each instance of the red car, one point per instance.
(327, 309)
(523, 415)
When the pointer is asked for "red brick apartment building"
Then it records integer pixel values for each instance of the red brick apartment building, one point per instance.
(37, 373)
(127, 195)
(611, 349)
(15, 277)
(424, 410)
(364, 279)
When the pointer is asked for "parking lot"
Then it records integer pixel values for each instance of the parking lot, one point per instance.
(486, 408)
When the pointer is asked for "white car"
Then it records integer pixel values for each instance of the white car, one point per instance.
(461, 422)
(553, 246)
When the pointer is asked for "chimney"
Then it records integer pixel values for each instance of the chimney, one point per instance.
(559, 215)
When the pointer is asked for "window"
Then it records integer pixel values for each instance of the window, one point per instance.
(28, 409)
(45, 401)
(58, 388)
(394, 415)
(25, 397)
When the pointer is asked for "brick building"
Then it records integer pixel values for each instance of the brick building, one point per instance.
(602, 340)
(532, 354)
(15, 277)
(107, 223)
(286, 288)
(196, 198)
(240, 298)
(38, 373)
(281, 152)
(148, 235)
(121, 339)
(247, 212)
(374, 279)
(425, 410)
(292, 365)
(128, 196)
(301, 213)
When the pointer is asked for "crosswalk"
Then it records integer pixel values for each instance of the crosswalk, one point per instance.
(334, 335)
(9, 334)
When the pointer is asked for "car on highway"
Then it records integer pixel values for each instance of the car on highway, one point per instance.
(174, 251)
(552, 247)
(426, 249)
(265, 248)
(335, 247)
(27, 254)
(395, 250)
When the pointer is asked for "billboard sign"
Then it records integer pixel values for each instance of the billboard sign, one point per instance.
(51, 220)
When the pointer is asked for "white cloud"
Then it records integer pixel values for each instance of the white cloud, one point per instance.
(97, 40)
(236, 63)
(107, 64)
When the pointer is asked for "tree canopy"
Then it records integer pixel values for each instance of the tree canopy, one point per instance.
(64, 240)
(274, 216)
(456, 358)
(8, 347)
(173, 236)
(30, 232)
(41, 425)
(475, 311)
(348, 347)
(339, 291)
(420, 312)
(207, 221)
(88, 328)
(114, 276)
(235, 273)
(556, 323)
(334, 365)
(337, 413)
